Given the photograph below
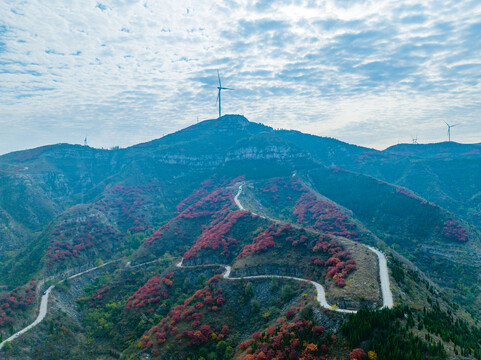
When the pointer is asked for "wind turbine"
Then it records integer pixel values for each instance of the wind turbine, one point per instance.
(449, 130)
(218, 95)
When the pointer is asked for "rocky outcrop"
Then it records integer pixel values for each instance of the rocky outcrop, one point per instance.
(268, 269)
(211, 259)
(244, 153)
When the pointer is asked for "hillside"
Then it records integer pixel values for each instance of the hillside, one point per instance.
(432, 171)
(231, 240)
(450, 150)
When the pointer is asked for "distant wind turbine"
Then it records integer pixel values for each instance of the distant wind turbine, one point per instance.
(218, 95)
(449, 130)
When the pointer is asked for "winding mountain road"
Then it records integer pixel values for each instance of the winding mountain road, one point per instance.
(321, 294)
(129, 264)
(236, 198)
(384, 278)
(41, 315)
(383, 271)
(44, 305)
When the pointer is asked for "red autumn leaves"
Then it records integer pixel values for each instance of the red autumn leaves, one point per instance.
(212, 207)
(14, 302)
(152, 292)
(76, 237)
(339, 265)
(324, 216)
(453, 231)
(215, 236)
(190, 316)
(290, 340)
(262, 242)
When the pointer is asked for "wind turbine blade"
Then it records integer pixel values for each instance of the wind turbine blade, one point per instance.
(217, 100)
(454, 125)
(227, 89)
(218, 76)
(446, 123)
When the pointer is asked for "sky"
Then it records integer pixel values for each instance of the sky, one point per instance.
(372, 73)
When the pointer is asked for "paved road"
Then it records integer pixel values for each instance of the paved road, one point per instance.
(383, 272)
(40, 317)
(129, 264)
(236, 198)
(321, 294)
(43, 306)
(384, 277)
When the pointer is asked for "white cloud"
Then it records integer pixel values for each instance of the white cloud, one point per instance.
(367, 72)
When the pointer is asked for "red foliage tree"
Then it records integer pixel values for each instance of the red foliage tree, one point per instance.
(15, 302)
(190, 316)
(324, 216)
(453, 231)
(150, 293)
(72, 238)
(290, 340)
(263, 241)
(357, 354)
(215, 236)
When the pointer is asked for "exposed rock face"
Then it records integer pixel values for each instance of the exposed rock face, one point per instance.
(266, 153)
(247, 153)
(12, 234)
(213, 259)
(268, 269)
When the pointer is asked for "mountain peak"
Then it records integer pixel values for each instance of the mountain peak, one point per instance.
(229, 121)
(234, 118)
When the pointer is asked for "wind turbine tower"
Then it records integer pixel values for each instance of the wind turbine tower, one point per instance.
(220, 88)
(449, 130)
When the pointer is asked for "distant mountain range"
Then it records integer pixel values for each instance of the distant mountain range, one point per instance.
(447, 150)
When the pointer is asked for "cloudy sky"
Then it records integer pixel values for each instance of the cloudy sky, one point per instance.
(372, 73)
